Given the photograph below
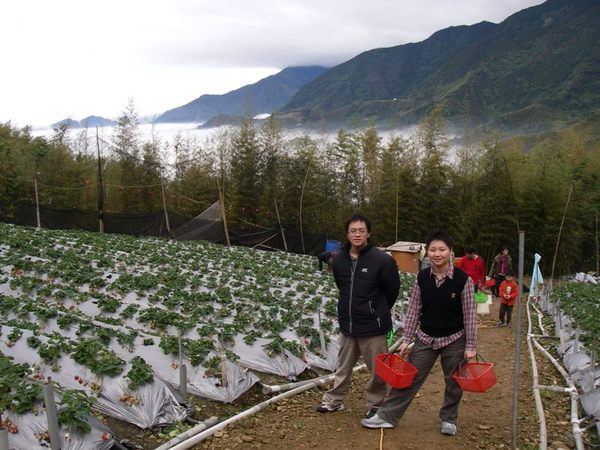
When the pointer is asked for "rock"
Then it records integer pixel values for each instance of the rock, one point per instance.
(218, 434)
(246, 438)
(557, 445)
(339, 429)
(484, 427)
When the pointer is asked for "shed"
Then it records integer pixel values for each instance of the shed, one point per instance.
(407, 255)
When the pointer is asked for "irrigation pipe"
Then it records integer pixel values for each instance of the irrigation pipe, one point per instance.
(256, 408)
(571, 390)
(539, 317)
(536, 391)
(189, 433)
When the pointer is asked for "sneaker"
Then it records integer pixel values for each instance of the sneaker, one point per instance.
(375, 422)
(500, 324)
(371, 412)
(448, 428)
(327, 407)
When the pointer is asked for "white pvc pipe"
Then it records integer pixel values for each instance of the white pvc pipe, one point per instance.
(203, 435)
(189, 433)
(572, 391)
(539, 316)
(536, 392)
(256, 408)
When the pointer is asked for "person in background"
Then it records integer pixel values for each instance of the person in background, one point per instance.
(326, 257)
(501, 264)
(442, 317)
(509, 290)
(368, 281)
(474, 266)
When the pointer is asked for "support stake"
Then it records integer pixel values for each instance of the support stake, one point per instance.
(517, 374)
(52, 416)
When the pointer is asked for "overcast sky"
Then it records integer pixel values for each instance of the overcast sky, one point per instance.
(74, 58)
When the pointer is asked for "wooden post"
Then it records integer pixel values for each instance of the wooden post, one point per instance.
(164, 200)
(562, 223)
(3, 439)
(301, 199)
(223, 215)
(52, 416)
(37, 204)
(597, 250)
(281, 228)
(100, 188)
(397, 193)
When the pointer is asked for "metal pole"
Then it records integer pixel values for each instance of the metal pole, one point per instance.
(301, 199)
(37, 203)
(162, 189)
(52, 416)
(100, 188)
(517, 374)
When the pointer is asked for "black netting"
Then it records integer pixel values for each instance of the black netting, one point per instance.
(207, 226)
(151, 224)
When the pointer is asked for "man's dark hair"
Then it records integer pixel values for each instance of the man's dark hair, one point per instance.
(439, 235)
(469, 250)
(360, 218)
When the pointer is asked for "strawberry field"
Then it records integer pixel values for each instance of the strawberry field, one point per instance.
(110, 319)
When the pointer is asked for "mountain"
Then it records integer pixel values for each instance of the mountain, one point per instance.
(88, 122)
(540, 66)
(264, 96)
(97, 121)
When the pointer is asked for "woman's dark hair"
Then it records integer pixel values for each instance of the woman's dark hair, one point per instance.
(358, 218)
(469, 250)
(439, 235)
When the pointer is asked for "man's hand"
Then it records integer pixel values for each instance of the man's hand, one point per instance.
(403, 349)
(470, 354)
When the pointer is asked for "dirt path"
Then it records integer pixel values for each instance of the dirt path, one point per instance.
(484, 419)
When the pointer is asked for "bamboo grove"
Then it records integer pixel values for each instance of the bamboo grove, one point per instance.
(482, 190)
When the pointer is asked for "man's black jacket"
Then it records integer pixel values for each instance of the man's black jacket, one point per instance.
(367, 292)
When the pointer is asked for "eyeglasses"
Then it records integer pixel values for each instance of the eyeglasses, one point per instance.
(359, 231)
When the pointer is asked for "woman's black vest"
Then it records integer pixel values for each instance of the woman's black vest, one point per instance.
(441, 313)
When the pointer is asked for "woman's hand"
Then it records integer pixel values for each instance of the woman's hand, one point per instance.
(403, 349)
(470, 354)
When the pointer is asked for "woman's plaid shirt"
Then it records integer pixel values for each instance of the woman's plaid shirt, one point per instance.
(413, 316)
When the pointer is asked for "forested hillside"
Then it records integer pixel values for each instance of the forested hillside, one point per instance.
(536, 70)
(483, 193)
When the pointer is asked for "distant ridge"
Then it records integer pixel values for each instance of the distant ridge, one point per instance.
(87, 122)
(264, 96)
(539, 67)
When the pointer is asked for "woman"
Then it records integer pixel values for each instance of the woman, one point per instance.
(442, 316)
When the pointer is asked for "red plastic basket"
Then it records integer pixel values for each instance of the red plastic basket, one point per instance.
(475, 376)
(490, 283)
(395, 371)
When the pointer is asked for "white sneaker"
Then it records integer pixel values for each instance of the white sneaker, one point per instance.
(375, 422)
(327, 408)
(449, 428)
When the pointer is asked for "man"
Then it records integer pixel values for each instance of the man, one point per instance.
(474, 266)
(501, 265)
(368, 281)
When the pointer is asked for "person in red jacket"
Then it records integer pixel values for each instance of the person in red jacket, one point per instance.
(474, 266)
(509, 290)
